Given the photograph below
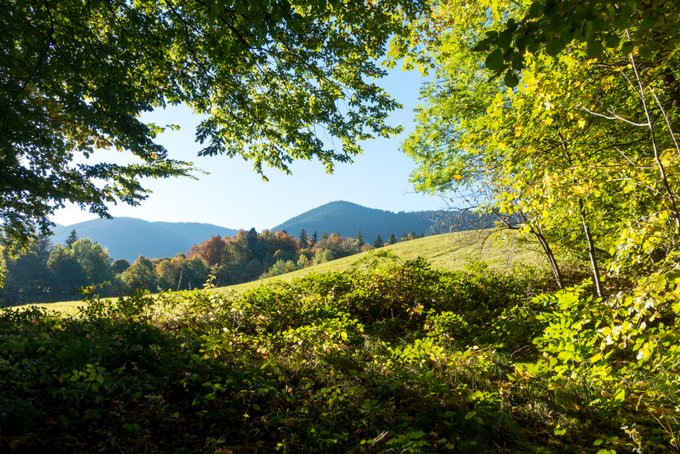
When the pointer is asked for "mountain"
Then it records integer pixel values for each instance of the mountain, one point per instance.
(348, 219)
(128, 238)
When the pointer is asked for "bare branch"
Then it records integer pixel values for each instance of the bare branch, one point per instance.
(615, 116)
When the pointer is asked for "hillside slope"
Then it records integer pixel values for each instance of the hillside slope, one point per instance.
(500, 250)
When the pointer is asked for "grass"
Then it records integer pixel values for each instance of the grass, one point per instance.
(450, 252)
(501, 250)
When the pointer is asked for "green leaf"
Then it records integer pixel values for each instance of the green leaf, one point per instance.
(517, 61)
(504, 39)
(494, 61)
(536, 9)
(620, 395)
(510, 79)
(554, 46)
(594, 49)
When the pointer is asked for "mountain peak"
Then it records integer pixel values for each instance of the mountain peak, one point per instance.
(349, 219)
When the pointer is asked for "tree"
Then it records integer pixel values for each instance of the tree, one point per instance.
(213, 251)
(119, 265)
(42, 247)
(392, 239)
(303, 241)
(280, 267)
(551, 27)
(378, 242)
(140, 275)
(314, 238)
(27, 279)
(581, 152)
(94, 261)
(72, 238)
(265, 76)
(66, 273)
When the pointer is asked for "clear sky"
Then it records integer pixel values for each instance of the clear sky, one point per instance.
(234, 196)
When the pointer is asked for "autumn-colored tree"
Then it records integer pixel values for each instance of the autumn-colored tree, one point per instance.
(213, 251)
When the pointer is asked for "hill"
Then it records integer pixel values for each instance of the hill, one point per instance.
(449, 252)
(348, 219)
(500, 250)
(128, 238)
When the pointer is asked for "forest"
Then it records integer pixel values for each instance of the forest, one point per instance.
(47, 273)
(560, 118)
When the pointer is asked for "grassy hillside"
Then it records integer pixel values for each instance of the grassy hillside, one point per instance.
(448, 252)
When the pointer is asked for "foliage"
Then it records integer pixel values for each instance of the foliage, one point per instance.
(264, 75)
(47, 273)
(579, 148)
(652, 28)
(391, 355)
(140, 275)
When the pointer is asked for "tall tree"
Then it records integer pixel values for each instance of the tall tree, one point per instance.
(378, 243)
(265, 75)
(72, 238)
(303, 241)
(94, 260)
(66, 273)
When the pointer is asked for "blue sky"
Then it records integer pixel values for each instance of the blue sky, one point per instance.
(234, 196)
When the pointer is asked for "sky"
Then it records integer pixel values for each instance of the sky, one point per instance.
(232, 195)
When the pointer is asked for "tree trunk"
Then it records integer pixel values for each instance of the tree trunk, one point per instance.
(591, 249)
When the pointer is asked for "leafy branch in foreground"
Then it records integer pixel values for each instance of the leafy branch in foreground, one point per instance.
(579, 148)
(274, 80)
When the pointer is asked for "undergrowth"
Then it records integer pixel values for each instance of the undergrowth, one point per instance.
(390, 356)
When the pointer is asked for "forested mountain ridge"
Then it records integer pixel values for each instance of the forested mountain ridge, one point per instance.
(348, 219)
(129, 238)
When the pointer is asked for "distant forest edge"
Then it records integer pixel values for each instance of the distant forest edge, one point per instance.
(56, 272)
(130, 238)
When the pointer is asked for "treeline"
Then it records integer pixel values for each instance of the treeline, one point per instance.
(48, 273)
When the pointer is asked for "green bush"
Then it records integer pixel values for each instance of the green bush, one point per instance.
(390, 356)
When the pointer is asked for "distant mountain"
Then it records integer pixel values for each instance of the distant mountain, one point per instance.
(348, 219)
(128, 238)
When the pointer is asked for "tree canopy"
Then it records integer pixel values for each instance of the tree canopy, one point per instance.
(576, 142)
(274, 81)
